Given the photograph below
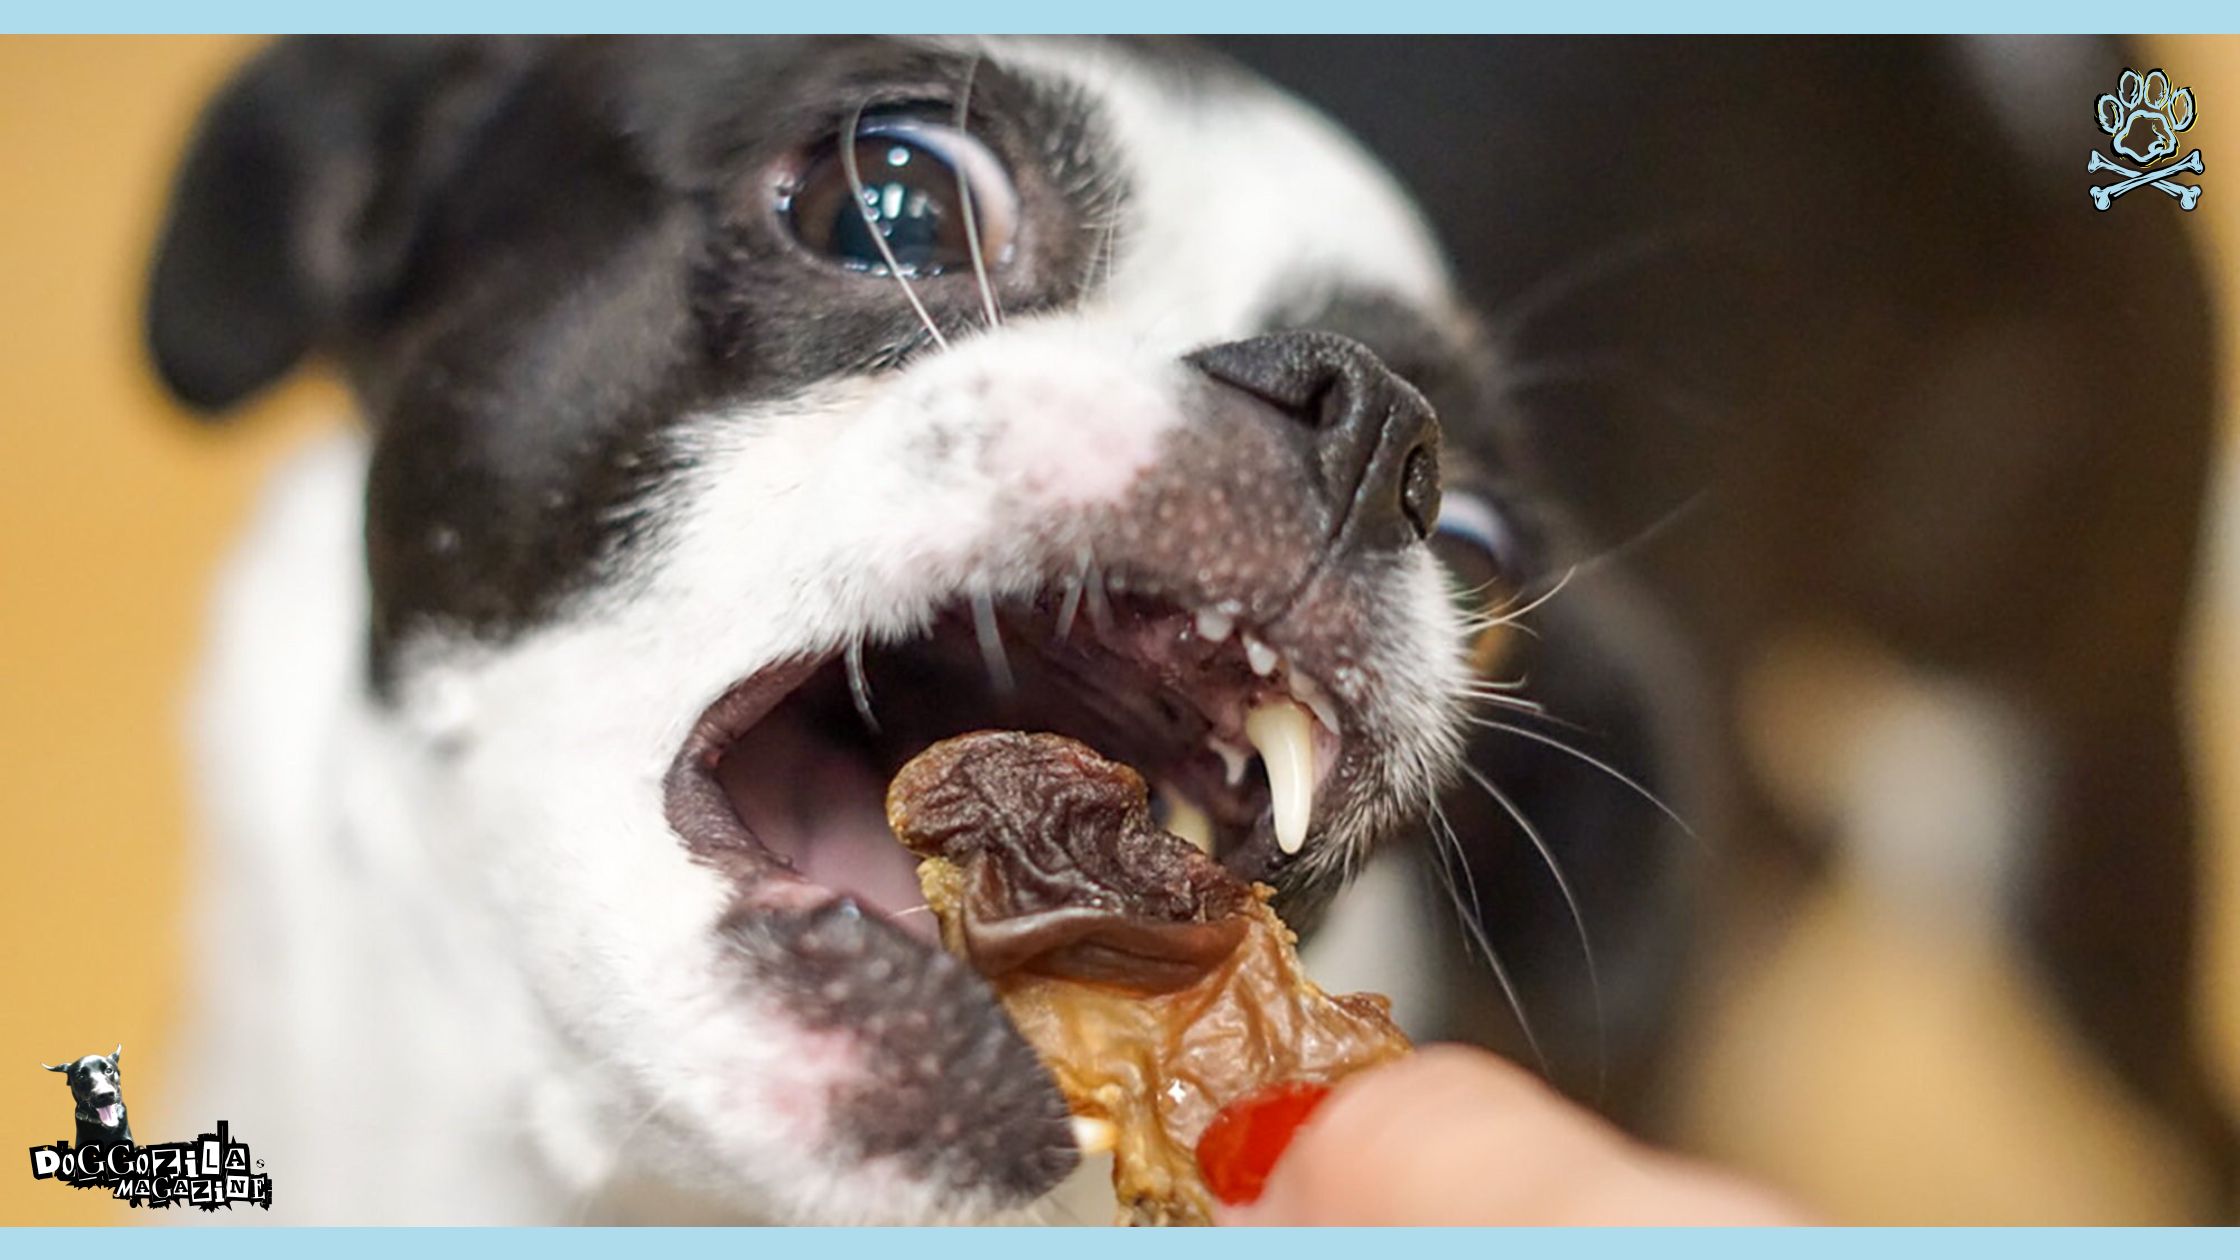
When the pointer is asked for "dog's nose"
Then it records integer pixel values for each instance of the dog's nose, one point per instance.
(1375, 440)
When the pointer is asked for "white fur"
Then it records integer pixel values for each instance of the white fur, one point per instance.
(337, 986)
(464, 927)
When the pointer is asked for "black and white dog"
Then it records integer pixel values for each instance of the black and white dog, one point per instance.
(97, 1089)
(741, 415)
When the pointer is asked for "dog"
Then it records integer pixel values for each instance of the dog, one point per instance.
(97, 1089)
(737, 417)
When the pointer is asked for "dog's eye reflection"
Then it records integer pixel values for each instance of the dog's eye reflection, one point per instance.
(908, 193)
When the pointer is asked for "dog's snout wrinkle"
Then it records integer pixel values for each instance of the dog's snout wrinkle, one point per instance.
(1375, 440)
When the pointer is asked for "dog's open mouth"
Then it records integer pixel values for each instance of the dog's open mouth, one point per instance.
(792, 765)
(108, 1114)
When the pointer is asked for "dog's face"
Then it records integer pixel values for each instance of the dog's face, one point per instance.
(97, 1086)
(746, 415)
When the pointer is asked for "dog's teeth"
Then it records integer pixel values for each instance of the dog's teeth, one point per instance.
(1094, 1136)
(1214, 626)
(1260, 656)
(1185, 819)
(1284, 734)
(1310, 693)
(1233, 760)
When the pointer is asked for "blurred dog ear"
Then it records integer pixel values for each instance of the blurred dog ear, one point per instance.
(118, 1055)
(296, 207)
(53, 1068)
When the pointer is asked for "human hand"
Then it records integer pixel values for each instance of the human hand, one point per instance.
(1454, 1136)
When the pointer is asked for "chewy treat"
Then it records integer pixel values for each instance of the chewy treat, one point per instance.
(1161, 991)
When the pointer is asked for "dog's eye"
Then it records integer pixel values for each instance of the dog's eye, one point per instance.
(1474, 542)
(1481, 551)
(914, 198)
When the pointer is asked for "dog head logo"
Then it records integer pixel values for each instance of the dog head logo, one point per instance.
(215, 1170)
(2142, 118)
(97, 1087)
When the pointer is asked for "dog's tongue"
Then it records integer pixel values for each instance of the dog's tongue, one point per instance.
(1064, 872)
(108, 1113)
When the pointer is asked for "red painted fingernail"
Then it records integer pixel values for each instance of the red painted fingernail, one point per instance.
(1240, 1148)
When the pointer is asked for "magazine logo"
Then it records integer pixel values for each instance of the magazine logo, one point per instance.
(2142, 119)
(213, 1171)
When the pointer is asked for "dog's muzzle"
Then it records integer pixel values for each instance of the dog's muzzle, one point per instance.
(1230, 626)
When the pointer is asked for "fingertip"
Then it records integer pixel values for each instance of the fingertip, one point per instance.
(1359, 1157)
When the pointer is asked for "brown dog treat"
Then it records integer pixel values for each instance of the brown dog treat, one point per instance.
(1156, 986)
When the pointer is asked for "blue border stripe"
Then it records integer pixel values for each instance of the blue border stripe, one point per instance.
(982, 1244)
(1138, 17)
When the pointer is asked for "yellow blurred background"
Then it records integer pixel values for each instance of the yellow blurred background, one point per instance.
(114, 510)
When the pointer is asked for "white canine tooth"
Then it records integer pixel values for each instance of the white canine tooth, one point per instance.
(1310, 693)
(1185, 819)
(1284, 734)
(1094, 1136)
(1262, 657)
(1214, 626)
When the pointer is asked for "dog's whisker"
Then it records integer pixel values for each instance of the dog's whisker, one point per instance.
(1538, 712)
(964, 198)
(859, 687)
(1598, 367)
(1447, 846)
(1643, 536)
(871, 225)
(984, 627)
(1095, 256)
(1476, 908)
(1515, 704)
(588, 1197)
(1100, 609)
(1508, 697)
(1577, 276)
(1471, 594)
(1068, 608)
(1578, 919)
(1590, 759)
(1505, 617)
(1507, 688)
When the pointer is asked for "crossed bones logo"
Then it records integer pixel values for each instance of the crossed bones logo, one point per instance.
(2143, 116)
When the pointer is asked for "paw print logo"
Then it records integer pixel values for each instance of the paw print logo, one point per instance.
(2143, 117)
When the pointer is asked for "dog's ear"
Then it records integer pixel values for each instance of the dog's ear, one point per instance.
(118, 1055)
(53, 1068)
(296, 207)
